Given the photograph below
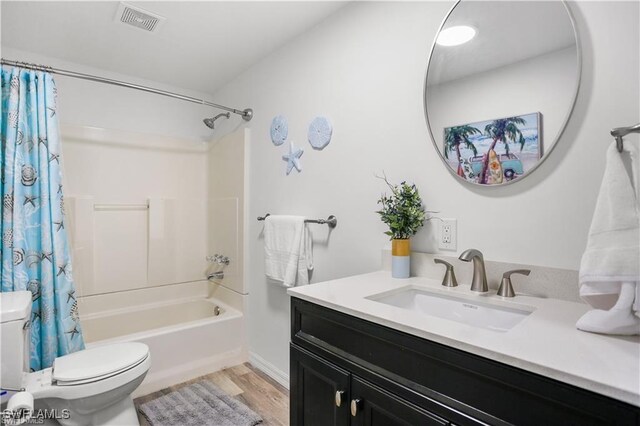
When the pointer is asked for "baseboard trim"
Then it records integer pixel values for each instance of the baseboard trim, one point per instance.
(269, 369)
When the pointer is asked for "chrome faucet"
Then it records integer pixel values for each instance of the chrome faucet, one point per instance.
(220, 263)
(479, 282)
(506, 288)
(218, 275)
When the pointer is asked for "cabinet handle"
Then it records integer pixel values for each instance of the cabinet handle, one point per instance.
(339, 395)
(356, 404)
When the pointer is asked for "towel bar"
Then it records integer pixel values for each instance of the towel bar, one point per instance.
(107, 207)
(332, 221)
(619, 132)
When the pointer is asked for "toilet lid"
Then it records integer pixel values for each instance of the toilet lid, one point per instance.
(99, 362)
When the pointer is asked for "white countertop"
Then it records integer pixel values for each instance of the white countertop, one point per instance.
(546, 342)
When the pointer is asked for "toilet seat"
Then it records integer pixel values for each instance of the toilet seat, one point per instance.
(98, 363)
(45, 383)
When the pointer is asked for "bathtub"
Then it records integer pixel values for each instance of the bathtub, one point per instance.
(187, 338)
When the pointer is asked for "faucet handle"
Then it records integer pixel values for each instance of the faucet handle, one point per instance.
(449, 279)
(506, 288)
(516, 271)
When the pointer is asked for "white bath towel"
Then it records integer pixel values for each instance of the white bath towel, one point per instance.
(610, 267)
(288, 251)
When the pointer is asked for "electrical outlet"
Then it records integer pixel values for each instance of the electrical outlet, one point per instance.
(448, 234)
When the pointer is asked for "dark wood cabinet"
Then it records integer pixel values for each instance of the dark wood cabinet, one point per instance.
(393, 378)
(373, 406)
(325, 394)
(319, 391)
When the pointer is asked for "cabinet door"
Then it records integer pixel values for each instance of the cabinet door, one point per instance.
(319, 391)
(371, 405)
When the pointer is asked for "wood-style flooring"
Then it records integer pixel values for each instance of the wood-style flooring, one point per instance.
(247, 384)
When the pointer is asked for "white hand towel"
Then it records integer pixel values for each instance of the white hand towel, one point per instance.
(288, 252)
(610, 267)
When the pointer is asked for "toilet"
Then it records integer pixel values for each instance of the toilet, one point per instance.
(93, 386)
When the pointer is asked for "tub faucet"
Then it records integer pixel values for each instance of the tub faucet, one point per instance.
(479, 282)
(218, 275)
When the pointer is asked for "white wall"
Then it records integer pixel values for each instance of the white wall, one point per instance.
(86, 103)
(544, 84)
(364, 68)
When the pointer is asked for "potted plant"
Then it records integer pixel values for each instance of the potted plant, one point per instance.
(404, 213)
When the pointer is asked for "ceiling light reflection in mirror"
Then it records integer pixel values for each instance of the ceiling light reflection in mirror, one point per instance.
(497, 102)
(455, 36)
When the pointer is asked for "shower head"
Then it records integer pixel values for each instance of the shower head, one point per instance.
(210, 122)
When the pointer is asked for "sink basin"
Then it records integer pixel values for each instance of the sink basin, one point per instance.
(470, 311)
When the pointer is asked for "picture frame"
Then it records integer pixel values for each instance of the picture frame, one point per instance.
(495, 151)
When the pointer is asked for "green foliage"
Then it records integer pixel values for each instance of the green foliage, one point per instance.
(402, 211)
(506, 130)
(454, 136)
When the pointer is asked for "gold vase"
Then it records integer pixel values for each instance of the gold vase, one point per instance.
(400, 258)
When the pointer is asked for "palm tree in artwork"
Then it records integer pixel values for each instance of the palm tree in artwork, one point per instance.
(503, 130)
(454, 137)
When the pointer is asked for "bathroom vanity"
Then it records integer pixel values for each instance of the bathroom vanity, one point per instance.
(362, 356)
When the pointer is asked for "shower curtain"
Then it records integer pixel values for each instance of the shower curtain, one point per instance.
(35, 254)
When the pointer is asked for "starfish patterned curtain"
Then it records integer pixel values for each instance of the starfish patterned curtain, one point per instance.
(35, 253)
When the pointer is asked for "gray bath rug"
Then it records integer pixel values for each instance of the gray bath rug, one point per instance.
(199, 404)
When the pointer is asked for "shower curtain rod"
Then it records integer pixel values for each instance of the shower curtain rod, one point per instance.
(246, 114)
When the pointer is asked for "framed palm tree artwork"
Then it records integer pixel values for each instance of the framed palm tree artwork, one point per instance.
(494, 152)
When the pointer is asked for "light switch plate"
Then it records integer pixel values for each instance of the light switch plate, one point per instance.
(448, 234)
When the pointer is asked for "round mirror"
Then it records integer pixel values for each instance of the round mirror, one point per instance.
(502, 80)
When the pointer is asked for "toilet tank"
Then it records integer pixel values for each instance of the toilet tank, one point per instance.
(15, 315)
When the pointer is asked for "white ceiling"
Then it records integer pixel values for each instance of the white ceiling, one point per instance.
(201, 46)
(508, 32)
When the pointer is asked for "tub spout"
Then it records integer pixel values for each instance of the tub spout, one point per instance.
(215, 275)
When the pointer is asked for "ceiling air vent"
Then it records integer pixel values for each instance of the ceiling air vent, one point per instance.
(139, 18)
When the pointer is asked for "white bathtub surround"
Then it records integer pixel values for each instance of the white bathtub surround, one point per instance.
(228, 297)
(545, 342)
(188, 203)
(126, 300)
(145, 206)
(227, 216)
